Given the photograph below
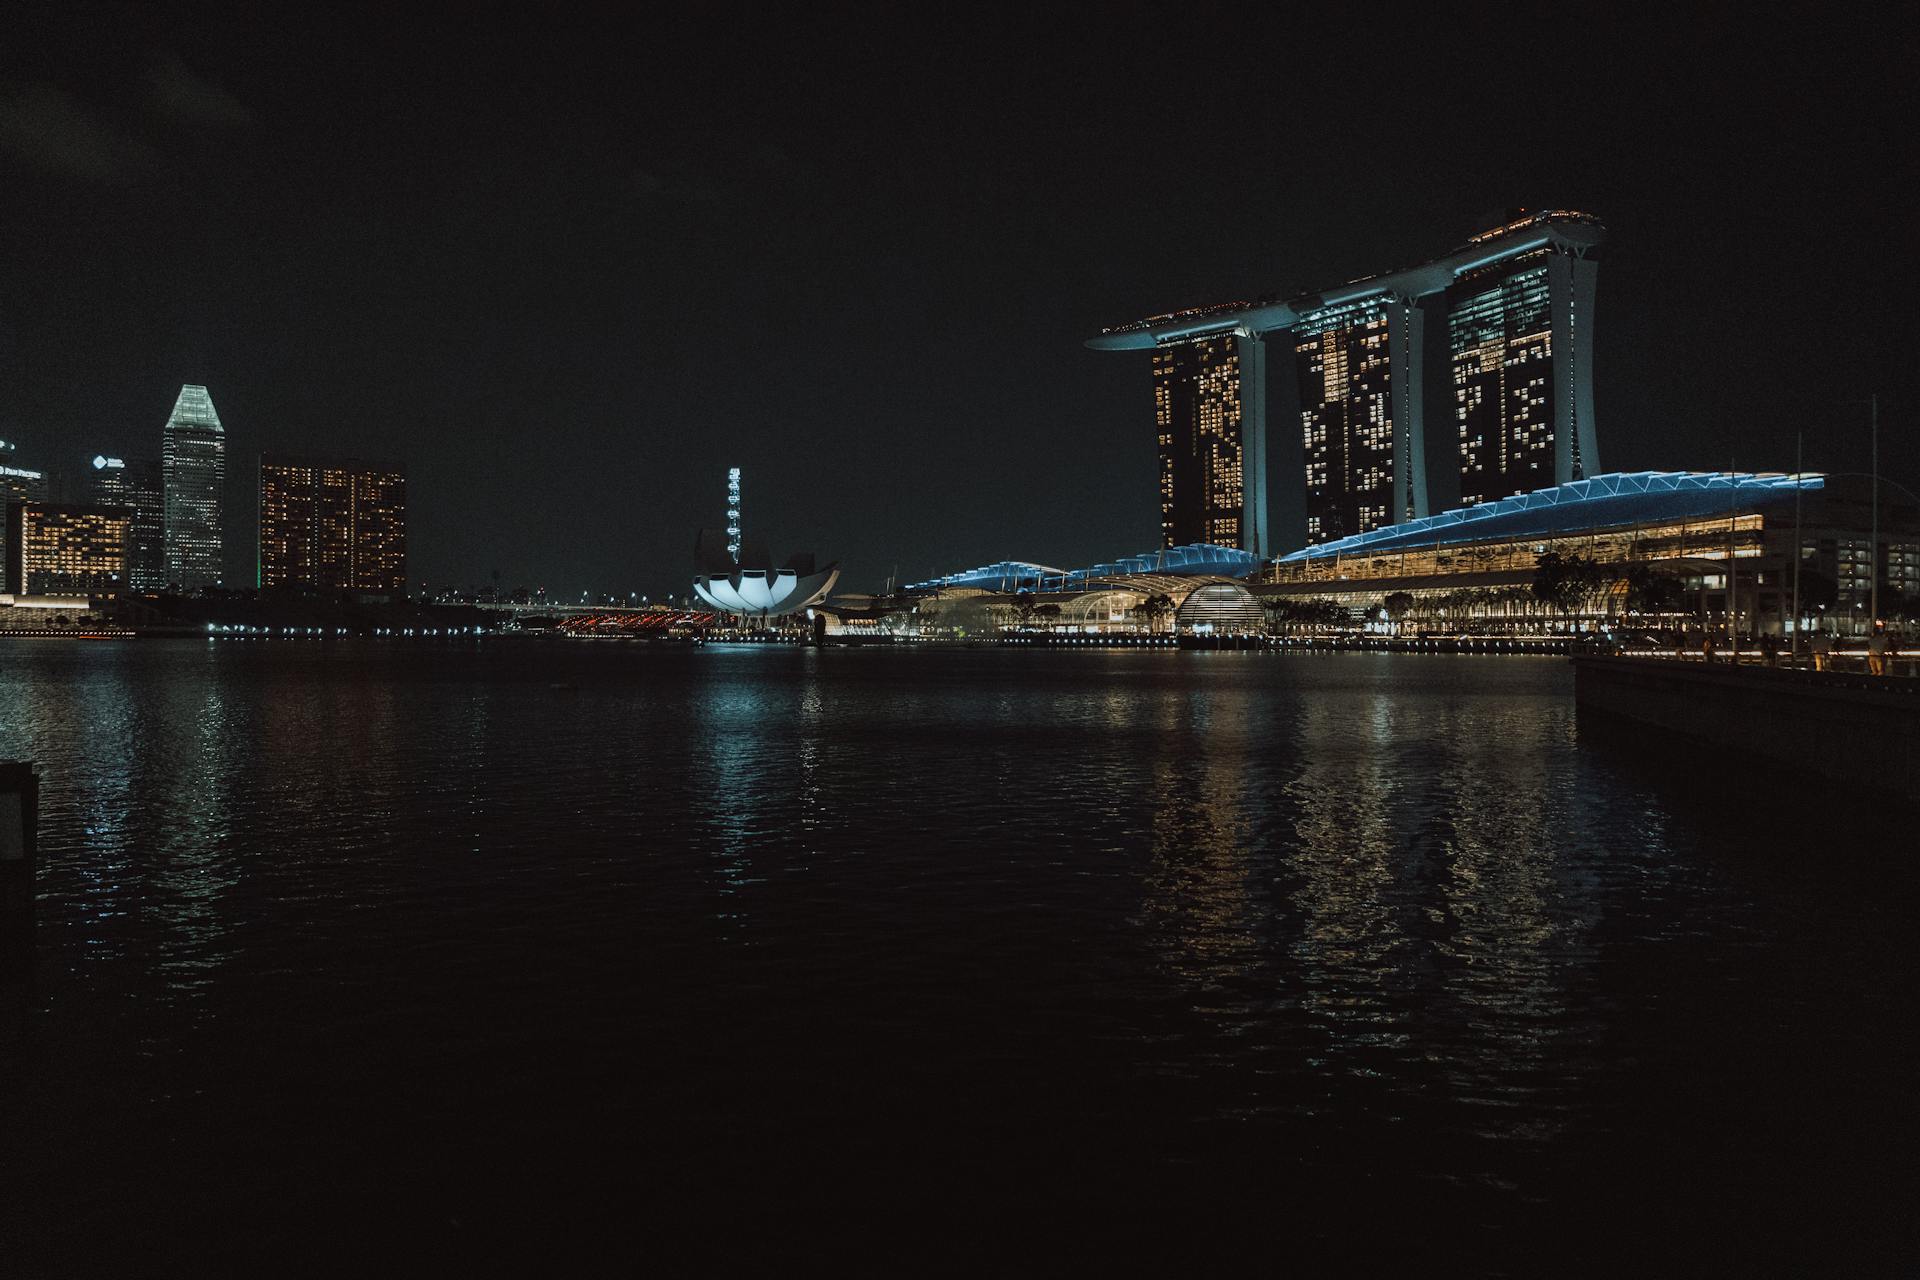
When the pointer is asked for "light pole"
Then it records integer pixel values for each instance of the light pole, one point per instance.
(1873, 549)
(1799, 467)
(1733, 599)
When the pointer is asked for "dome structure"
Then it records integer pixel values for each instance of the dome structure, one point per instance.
(1224, 608)
(752, 586)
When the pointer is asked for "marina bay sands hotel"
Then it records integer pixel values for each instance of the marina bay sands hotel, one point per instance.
(1512, 411)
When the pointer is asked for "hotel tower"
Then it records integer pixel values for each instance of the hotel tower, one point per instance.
(1515, 305)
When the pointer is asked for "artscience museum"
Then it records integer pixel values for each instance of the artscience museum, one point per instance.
(751, 586)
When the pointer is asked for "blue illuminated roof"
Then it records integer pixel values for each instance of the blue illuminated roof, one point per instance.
(1003, 575)
(1198, 560)
(1602, 502)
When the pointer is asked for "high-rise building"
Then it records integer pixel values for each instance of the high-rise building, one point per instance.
(1520, 340)
(1209, 412)
(134, 486)
(59, 549)
(194, 474)
(17, 484)
(339, 524)
(1359, 376)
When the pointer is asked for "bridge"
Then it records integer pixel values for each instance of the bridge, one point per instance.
(645, 621)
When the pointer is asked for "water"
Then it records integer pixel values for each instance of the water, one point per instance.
(470, 951)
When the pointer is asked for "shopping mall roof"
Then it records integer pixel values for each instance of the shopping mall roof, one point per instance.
(1197, 560)
(1602, 502)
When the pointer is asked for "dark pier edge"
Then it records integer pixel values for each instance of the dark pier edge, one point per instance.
(19, 827)
(1862, 731)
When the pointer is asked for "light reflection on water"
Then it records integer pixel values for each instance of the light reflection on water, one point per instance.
(1393, 905)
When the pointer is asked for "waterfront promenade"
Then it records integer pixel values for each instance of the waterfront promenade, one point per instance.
(1841, 726)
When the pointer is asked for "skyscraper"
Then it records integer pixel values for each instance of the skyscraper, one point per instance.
(1520, 340)
(17, 484)
(134, 486)
(1210, 416)
(194, 471)
(1359, 377)
(339, 524)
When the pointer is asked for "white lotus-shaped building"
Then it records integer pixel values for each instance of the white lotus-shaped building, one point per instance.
(753, 587)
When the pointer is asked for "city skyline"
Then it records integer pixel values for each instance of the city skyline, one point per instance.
(598, 643)
(333, 524)
(938, 267)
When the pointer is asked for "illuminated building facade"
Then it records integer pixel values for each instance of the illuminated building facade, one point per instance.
(193, 475)
(1837, 544)
(1359, 378)
(1519, 302)
(55, 549)
(1664, 538)
(17, 484)
(1190, 588)
(337, 524)
(134, 486)
(1479, 562)
(1520, 342)
(1210, 419)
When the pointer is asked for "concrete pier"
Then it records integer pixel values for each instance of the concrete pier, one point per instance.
(1863, 731)
(19, 829)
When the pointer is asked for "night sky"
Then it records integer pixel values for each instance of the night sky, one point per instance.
(569, 272)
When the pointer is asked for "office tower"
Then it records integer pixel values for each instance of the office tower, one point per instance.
(134, 486)
(17, 484)
(1520, 338)
(60, 549)
(1359, 377)
(338, 524)
(194, 473)
(1210, 415)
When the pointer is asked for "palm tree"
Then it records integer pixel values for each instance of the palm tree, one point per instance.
(1565, 583)
(1398, 605)
(1156, 607)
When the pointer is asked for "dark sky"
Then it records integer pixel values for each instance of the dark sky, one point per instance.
(569, 272)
